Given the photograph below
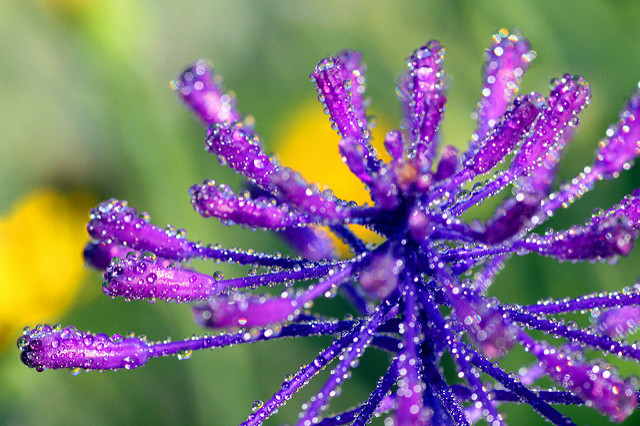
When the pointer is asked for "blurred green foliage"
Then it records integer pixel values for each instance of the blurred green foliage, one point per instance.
(85, 103)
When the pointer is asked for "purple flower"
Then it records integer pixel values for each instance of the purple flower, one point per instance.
(419, 294)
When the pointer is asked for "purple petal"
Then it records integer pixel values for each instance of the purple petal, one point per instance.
(114, 222)
(147, 277)
(204, 96)
(515, 124)
(246, 311)
(510, 218)
(219, 201)
(569, 96)
(505, 63)
(425, 86)
(308, 198)
(599, 241)
(240, 149)
(98, 254)
(394, 144)
(354, 70)
(311, 242)
(622, 144)
(618, 322)
(333, 84)
(48, 347)
(597, 385)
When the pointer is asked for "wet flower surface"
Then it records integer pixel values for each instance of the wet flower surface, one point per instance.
(422, 292)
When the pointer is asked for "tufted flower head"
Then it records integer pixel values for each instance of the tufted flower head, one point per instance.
(420, 293)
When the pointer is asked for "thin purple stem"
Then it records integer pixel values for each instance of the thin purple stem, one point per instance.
(356, 348)
(383, 387)
(589, 301)
(485, 365)
(292, 330)
(304, 375)
(589, 338)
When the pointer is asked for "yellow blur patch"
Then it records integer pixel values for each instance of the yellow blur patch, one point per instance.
(309, 145)
(41, 266)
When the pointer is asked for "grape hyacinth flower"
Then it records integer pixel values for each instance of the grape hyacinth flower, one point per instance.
(420, 294)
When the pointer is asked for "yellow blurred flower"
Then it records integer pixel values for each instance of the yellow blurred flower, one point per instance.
(41, 266)
(308, 141)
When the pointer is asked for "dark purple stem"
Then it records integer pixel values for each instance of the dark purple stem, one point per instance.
(589, 301)
(382, 388)
(356, 348)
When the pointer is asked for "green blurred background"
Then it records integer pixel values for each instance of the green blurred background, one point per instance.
(85, 104)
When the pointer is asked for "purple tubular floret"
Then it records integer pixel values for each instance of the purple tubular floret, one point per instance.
(340, 85)
(569, 96)
(240, 149)
(321, 205)
(596, 384)
(242, 310)
(509, 218)
(113, 221)
(211, 200)
(47, 347)
(311, 242)
(300, 379)
(515, 124)
(618, 322)
(145, 276)
(380, 277)
(247, 312)
(384, 189)
(487, 326)
(505, 63)
(394, 144)
(449, 163)
(358, 344)
(603, 240)
(354, 70)
(354, 156)
(628, 296)
(622, 145)
(524, 393)
(148, 277)
(627, 210)
(410, 408)
(334, 91)
(425, 87)
(201, 91)
(98, 254)
(375, 403)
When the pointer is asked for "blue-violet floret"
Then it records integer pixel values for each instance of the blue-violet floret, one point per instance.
(419, 294)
